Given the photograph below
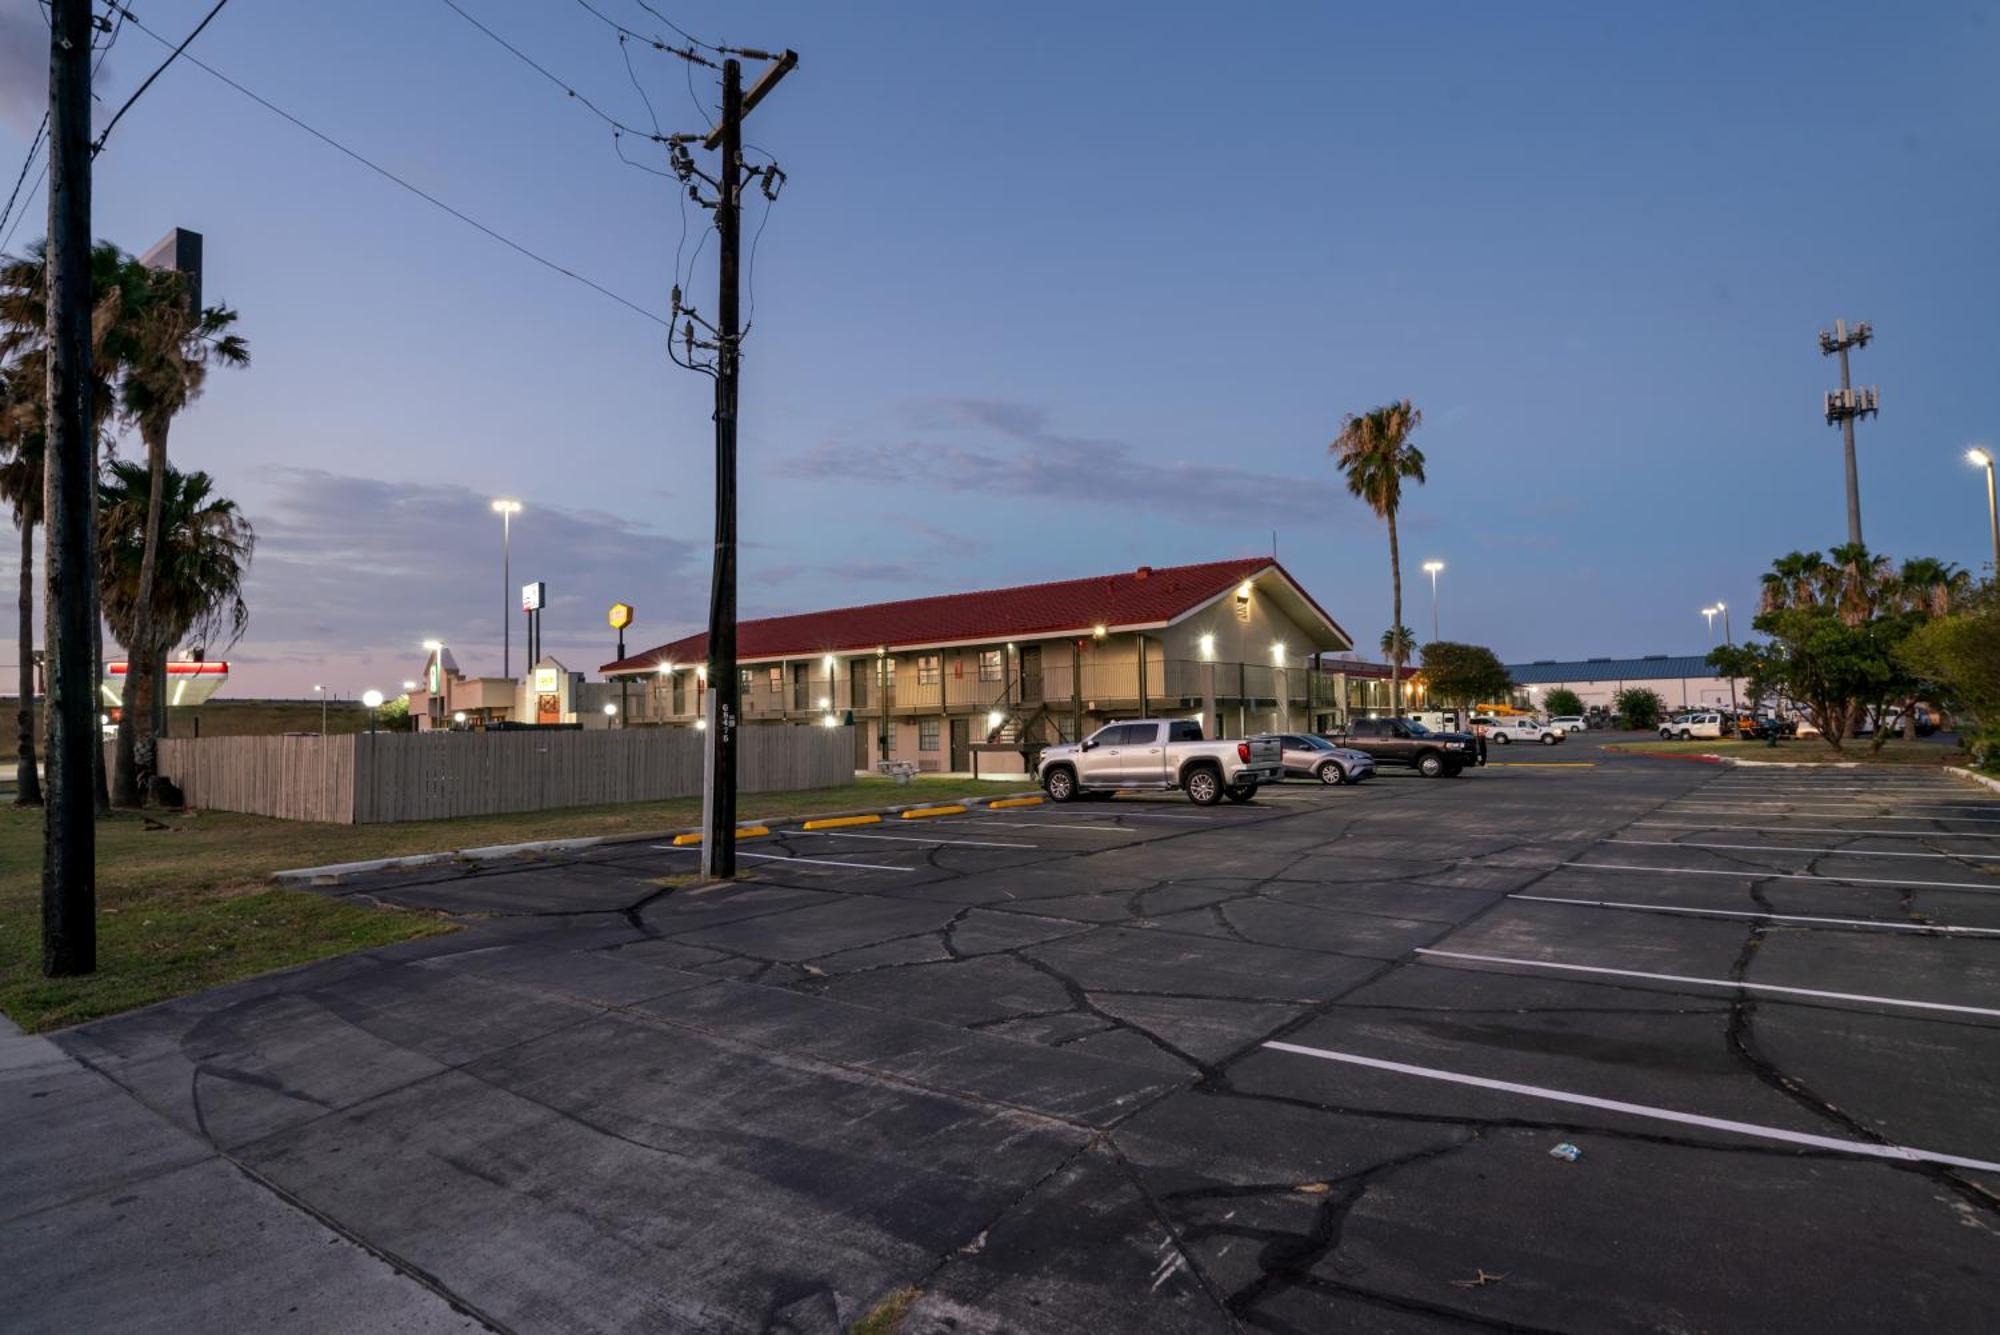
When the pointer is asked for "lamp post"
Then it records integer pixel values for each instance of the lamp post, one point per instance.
(1709, 612)
(506, 509)
(610, 713)
(320, 691)
(1729, 640)
(372, 699)
(1981, 457)
(1431, 568)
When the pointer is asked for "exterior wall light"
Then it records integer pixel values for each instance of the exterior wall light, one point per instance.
(1098, 631)
(1278, 652)
(1208, 646)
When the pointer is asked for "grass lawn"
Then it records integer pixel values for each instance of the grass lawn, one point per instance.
(189, 906)
(1803, 750)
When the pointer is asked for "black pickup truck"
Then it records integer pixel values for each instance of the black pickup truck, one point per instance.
(1402, 741)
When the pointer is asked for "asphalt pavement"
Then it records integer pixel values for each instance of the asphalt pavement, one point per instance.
(1574, 1043)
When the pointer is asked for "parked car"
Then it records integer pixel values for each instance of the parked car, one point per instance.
(1506, 731)
(1570, 723)
(1306, 756)
(1160, 754)
(1687, 727)
(1401, 741)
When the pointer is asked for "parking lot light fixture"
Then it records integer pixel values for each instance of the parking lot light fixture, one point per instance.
(1709, 612)
(1981, 457)
(1432, 568)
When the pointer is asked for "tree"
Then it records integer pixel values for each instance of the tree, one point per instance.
(167, 366)
(1373, 449)
(1639, 707)
(203, 560)
(1398, 644)
(1960, 653)
(1562, 702)
(1464, 674)
(21, 440)
(118, 291)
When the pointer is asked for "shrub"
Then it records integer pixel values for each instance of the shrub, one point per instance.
(1562, 702)
(1640, 708)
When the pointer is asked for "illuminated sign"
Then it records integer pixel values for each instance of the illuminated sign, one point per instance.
(620, 615)
(533, 596)
(547, 680)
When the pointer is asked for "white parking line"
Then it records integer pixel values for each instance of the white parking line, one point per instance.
(1713, 982)
(1990, 887)
(1771, 917)
(911, 839)
(1790, 848)
(1813, 829)
(1693, 808)
(1992, 807)
(1018, 821)
(779, 857)
(1902, 1153)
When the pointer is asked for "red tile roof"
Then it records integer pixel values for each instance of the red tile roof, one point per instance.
(1148, 596)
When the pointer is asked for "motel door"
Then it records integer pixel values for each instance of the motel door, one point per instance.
(859, 671)
(1031, 674)
(961, 744)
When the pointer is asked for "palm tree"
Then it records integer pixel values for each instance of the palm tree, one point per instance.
(119, 287)
(171, 350)
(21, 489)
(1373, 449)
(201, 564)
(1929, 586)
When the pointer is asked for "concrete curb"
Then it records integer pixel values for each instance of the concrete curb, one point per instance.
(1983, 780)
(333, 872)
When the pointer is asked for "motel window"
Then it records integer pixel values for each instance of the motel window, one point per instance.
(927, 734)
(680, 692)
(743, 678)
(777, 676)
(929, 670)
(990, 665)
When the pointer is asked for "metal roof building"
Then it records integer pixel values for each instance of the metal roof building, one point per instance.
(1684, 681)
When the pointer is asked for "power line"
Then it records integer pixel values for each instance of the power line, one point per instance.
(688, 55)
(35, 147)
(140, 91)
(27, 164)
(553, 78)
(388, 175)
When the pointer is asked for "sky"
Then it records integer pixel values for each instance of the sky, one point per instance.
(1063, 289)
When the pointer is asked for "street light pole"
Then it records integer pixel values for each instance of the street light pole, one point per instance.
(506, 509)
(1729, 640)
(1432, 568)
(1982, 456)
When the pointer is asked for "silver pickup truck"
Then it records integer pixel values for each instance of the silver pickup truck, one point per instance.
(1158, 754)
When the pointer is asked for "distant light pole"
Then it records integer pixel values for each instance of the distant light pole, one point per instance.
(1729, 640)
(1431, 568)
(506, 509)
(1710, 612)
(321, 692)
(1981, 457)
(372, 699)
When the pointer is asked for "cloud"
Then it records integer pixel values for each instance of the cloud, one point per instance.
(1016, 453)
(351, 574)
(24, 68)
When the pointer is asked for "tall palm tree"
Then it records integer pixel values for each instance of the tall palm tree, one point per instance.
(1929, 586)
(118, 288)
(1373, 449)
(173, 345)
(21, 439)
(201, 564)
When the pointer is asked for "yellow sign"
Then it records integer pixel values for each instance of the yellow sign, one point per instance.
(621, 616)
(547, 681)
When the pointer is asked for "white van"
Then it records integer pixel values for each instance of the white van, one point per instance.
(1687, 727)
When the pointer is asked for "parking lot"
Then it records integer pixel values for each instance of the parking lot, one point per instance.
(1296, 1065)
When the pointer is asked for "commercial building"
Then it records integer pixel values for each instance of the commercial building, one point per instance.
(1684, 682)
(963, 680)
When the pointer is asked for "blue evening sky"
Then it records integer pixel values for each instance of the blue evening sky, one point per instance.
(1059, 289)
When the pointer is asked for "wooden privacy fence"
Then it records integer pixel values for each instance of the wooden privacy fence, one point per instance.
(369, 778)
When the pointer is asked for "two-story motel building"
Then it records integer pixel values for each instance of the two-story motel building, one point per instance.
(939, 681)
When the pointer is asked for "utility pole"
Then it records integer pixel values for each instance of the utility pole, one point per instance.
(69, 830)
(722, 707)
(1844, 405)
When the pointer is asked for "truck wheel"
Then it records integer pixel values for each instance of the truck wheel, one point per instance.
(1204, 787)
(1686, 735)
(1061, 785)
(1430, 764)
(1240, 792)
(1330, 774)
(1550, 739)
(1503, 739)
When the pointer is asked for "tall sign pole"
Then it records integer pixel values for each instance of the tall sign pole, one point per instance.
(69, 830)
